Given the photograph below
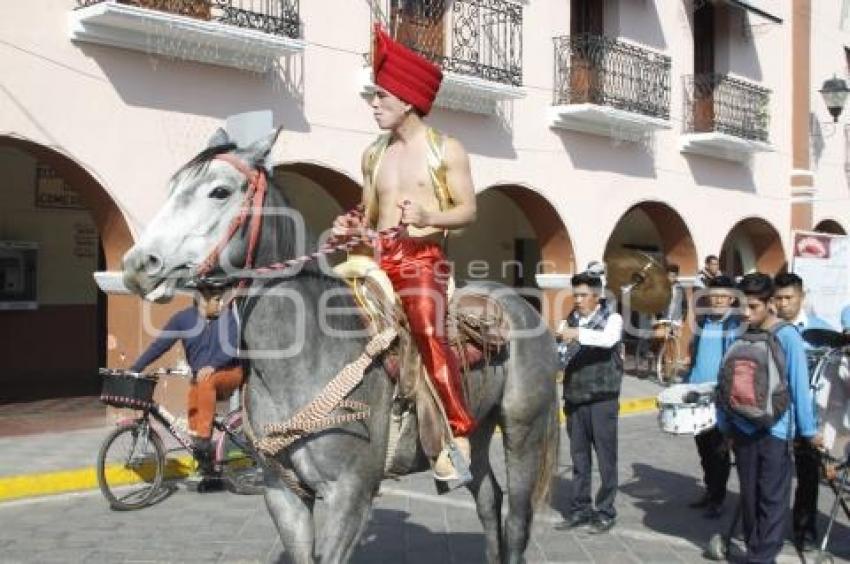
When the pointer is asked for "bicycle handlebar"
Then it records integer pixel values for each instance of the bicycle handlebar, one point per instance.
(154, 374)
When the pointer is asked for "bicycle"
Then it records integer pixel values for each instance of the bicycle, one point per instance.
(666, 348)
(132, 463)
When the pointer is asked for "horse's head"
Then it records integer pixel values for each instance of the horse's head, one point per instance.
(205, 196)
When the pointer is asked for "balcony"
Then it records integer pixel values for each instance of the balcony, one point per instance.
(725, 117)
(478, 44)
(244, 34)
(608, 87)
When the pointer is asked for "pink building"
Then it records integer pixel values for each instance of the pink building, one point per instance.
(683, 128)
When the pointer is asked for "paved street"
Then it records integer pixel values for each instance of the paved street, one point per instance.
(409, 523)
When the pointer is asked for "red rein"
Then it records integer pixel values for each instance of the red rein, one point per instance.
(252, 207)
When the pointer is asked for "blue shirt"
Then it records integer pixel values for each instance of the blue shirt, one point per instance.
(210, 343)
(709, 349)
(801, 407)
(845, 318)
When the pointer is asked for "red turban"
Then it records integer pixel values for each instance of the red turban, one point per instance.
(408, 75)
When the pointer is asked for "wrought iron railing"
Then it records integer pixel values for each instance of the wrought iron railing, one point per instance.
(276, 17)
(599, 70)
(480, 38)
(715, 102)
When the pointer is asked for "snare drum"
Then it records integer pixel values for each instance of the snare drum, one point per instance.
(678, 417)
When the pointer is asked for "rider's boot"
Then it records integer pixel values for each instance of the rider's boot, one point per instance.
(206, 478)
(452, 465)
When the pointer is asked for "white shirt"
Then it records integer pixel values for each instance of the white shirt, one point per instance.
(604, 338)
(802, 319)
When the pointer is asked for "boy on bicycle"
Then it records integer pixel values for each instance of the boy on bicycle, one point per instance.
(209, 334)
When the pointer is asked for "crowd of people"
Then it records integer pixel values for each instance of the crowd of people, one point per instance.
(745, 334)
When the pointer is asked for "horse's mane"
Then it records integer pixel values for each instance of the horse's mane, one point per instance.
(198, 164)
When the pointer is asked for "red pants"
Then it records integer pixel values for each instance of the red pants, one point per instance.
(419, 274)
(203, 395)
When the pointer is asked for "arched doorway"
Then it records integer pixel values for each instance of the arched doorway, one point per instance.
(517, 236)
(318, 192)
(657, 229)
(830, 226)
(752, 245)
(53, 340)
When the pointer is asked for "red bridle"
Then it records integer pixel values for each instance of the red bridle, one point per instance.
(252, 206)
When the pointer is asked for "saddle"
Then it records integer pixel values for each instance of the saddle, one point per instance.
(477, 330)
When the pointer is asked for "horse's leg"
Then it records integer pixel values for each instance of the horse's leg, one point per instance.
(348, 504)
(524, 454)
(293, 518)
(486, 491)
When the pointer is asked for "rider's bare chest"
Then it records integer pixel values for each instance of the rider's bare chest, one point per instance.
(403, 174)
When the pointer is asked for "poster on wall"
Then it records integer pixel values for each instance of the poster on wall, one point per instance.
(51, 190)
(823, 262)
(18, 263)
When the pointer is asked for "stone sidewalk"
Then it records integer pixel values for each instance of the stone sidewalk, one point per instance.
(73, 449)
(409, 524)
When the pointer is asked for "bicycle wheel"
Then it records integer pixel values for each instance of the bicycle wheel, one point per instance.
(236, 459)
(130, 466)
(667, 363)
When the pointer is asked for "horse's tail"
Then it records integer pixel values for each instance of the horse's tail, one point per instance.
(549, 460)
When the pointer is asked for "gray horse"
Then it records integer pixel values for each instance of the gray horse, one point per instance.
(343, 467)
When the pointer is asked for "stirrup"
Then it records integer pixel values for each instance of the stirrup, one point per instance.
(452, 467)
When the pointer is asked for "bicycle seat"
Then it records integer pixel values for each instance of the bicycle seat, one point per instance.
(826, 338)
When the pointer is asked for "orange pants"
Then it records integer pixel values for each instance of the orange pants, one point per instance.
(414, 268)
(203, 395)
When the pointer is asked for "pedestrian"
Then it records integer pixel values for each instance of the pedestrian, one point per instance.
(677, 308)
(769, 357)
(711, 270)
(714, 333)
(592, 382)
(788, 300)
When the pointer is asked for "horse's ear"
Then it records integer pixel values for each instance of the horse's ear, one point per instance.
(219, 138)
(257, 151)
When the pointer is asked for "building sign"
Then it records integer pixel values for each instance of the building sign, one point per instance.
(51, 190)
(85, 240)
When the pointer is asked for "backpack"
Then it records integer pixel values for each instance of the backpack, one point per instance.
(753, 382)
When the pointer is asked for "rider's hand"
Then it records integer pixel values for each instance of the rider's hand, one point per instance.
(347, 225)
(816, 442)
(412, 213)
(570, 334)
(204, 373)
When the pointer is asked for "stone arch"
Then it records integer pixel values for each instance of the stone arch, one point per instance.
(318, 191)
(658, 229)
(70, 365)
(752, 244)
(523, 240)
(830, 226)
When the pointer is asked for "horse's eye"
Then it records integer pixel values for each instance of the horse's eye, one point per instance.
(219, 193)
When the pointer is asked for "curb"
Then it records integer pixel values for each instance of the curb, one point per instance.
(64, 481)
(628, 406)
